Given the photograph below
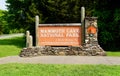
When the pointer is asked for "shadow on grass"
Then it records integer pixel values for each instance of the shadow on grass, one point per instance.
(17, 41)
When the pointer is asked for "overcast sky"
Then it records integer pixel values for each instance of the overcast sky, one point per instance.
(2, 4)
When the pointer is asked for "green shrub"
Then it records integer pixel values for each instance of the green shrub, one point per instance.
(16, 31)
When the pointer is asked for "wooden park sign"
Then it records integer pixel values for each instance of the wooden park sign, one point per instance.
(67, 34)
(59, 34)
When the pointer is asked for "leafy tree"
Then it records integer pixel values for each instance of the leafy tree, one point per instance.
(108, 22)
(3, 22)
(23, 12)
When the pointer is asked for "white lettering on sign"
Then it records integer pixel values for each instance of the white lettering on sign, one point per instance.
(59, 32)
(72, 35)
(52, 31)
(70, 30)
(51, 35)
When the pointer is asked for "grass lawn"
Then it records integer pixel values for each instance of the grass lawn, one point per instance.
(11, 46)
(58, 70)
(111, 53)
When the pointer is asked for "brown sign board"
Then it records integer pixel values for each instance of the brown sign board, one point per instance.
(59, 35)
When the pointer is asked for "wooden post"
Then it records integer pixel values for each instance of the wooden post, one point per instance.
(36, 28)
(27, 38)
(83, 24)
(30, 41)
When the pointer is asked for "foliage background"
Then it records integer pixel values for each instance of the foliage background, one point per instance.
(21, 16)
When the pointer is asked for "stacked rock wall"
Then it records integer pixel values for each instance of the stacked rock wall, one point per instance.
(86, 50)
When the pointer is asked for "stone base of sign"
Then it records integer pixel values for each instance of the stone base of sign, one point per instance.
(86, 50)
